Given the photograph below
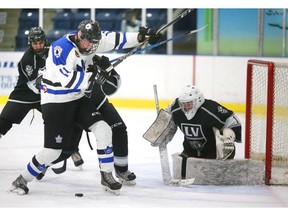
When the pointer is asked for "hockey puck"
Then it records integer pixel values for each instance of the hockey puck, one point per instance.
(79, 194)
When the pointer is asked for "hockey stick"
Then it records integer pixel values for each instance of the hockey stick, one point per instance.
(88, 91)
(60, 169)
(133, 51)
(166, 174)
(168, 40)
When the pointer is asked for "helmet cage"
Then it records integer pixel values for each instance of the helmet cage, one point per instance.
(89, 30)
(37, 34)
(193, 95)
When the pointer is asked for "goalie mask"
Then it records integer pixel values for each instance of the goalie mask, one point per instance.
(88, 32)
(190, 100)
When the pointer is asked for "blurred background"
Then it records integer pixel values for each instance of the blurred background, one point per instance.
(233, 32)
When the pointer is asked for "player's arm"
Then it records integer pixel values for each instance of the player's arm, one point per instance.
(125, 40)
(234, 124)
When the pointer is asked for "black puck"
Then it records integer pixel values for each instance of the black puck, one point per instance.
(79, 194)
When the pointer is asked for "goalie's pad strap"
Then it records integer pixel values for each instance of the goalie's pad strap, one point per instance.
(162, 130)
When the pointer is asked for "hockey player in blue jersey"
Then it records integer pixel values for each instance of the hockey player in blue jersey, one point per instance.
(65, 106)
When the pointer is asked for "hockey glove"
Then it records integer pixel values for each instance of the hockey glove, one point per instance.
(38, 82)
(150, 33)
(103, 61)
(98, 75)
(225, 143)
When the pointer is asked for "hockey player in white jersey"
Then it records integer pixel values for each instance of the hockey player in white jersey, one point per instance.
(64, 105)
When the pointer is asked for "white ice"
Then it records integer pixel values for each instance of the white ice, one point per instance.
(58, 191)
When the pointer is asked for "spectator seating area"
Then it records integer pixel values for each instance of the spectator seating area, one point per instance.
(67, 20)
(27, 19)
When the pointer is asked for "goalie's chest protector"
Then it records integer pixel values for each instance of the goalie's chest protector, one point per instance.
(200, 127)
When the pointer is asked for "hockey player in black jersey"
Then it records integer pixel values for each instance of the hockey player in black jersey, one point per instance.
(112, 117)
(25, 95)
(203, 122)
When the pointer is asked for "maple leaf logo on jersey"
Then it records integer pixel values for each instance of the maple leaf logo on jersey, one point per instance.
(57, 51)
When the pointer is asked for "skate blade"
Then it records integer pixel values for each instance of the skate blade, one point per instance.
(114, 192)
(127, 183)
(17, 190)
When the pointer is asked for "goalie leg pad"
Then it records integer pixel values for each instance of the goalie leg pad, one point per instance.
(225, 172)
(162, 130)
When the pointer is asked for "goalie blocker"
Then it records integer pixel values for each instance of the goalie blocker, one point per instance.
(162, 130)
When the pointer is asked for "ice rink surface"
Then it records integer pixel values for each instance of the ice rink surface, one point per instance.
(57, 192)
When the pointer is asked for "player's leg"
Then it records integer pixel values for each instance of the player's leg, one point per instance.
(12, 113)
(58, 119)
(91, 120)
(119, 141)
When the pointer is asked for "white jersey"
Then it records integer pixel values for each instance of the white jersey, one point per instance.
(65, 78)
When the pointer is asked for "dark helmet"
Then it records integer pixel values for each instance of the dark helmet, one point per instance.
(36, 34)
(90, 30)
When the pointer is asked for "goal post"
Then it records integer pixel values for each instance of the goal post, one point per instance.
(266, 129)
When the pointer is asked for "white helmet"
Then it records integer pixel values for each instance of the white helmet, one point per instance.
(190, 100)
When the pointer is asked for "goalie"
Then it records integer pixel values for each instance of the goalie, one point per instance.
(209, 128)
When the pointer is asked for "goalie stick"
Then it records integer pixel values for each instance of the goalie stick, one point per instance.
(166, 174)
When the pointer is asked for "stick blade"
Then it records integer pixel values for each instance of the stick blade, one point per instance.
(181, 182)
(60, 169)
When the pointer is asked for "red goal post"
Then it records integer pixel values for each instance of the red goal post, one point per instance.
(266, 128)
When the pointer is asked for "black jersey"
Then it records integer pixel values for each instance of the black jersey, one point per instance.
(28, 68)
(198, 131)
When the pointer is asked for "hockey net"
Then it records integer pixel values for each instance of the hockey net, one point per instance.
(267, 118)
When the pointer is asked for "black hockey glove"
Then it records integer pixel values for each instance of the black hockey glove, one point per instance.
(103, 61)
(98, 75)
(151, 33)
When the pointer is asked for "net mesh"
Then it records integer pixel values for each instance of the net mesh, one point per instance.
(258, 120)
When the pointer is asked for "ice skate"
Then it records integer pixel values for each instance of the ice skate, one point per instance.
(109, 183)
(19, 186)
(126, 178)
(77, 160)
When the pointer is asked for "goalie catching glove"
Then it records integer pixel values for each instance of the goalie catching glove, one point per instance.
(145, 32)
(98, 68)
(225, 142)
